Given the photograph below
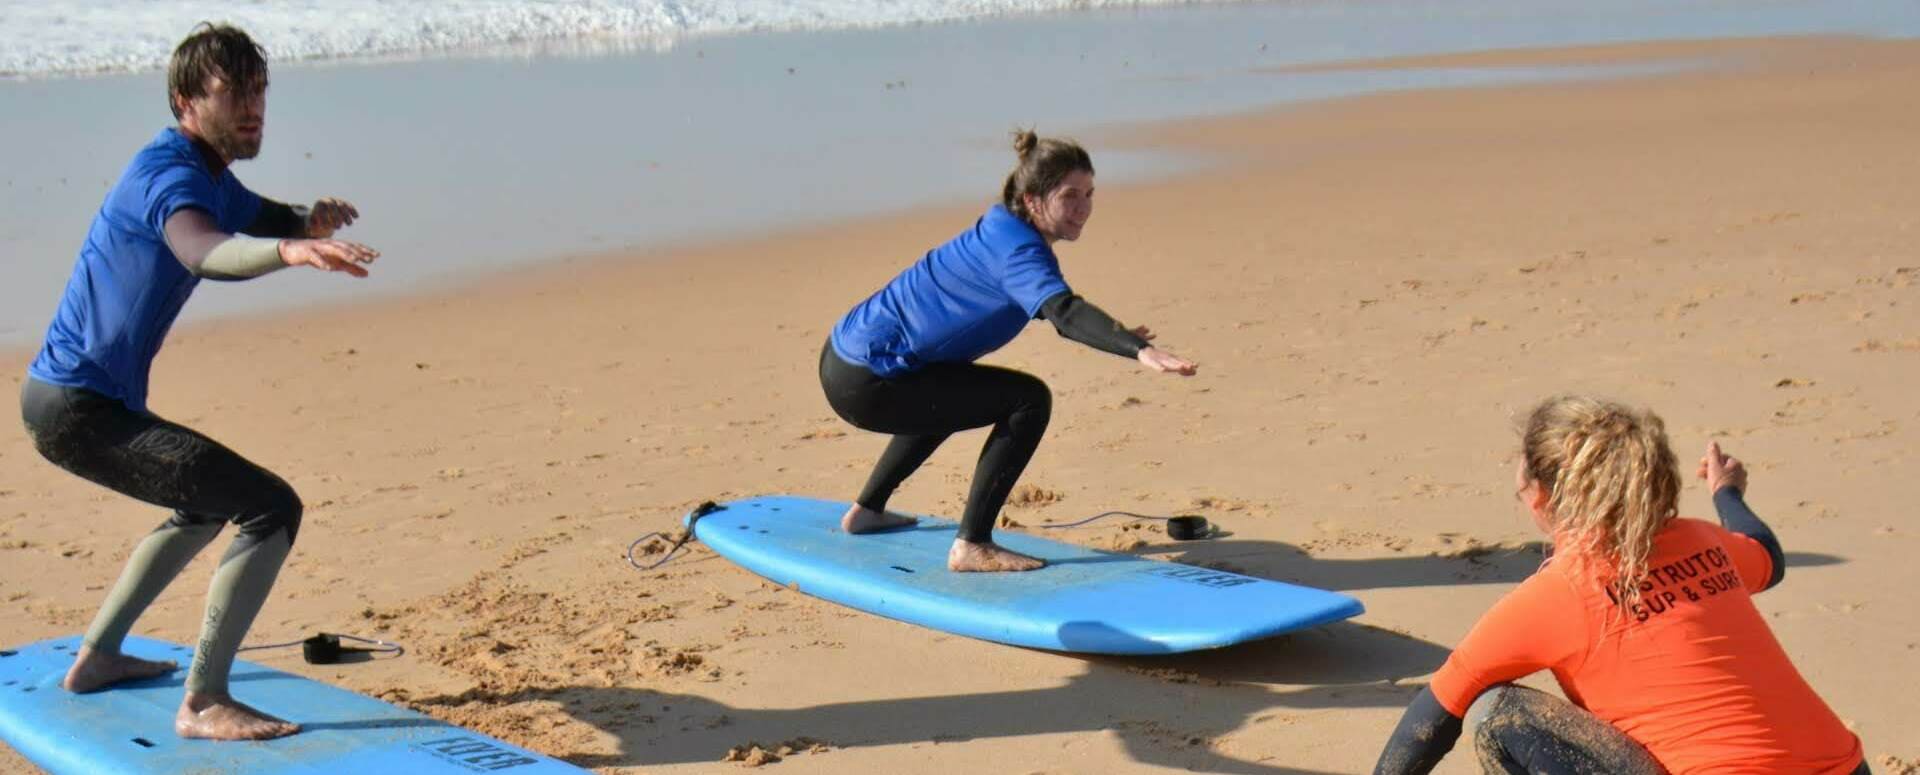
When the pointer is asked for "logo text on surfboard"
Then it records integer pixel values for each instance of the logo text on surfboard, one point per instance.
(475, 754)
(1201, 576)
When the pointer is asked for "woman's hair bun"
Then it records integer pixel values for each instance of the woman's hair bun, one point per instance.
(1024, 141)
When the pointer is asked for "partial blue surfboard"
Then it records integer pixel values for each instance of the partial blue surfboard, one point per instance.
(129, 728)
(1084, 601)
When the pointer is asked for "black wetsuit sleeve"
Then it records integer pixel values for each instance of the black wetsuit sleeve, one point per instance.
(276, 219)
(1424, 736)
(1737, 517)
(1077, 319)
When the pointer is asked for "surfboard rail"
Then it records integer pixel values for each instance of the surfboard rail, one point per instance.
(1084, 601)
(129, 728)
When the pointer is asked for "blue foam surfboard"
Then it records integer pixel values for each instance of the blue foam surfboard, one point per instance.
(1084, 601)
(129, 728)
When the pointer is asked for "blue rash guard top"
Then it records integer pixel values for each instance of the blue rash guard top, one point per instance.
(127, 286)
(964, 299)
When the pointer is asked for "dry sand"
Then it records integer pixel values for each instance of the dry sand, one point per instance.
(1375, 287)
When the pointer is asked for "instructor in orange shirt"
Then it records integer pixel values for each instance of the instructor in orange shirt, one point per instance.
(1646, 620)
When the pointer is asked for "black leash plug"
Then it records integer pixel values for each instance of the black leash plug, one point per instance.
(322, 649)
(1187, 527)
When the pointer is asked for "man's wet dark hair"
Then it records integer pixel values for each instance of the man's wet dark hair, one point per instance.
(215, 50)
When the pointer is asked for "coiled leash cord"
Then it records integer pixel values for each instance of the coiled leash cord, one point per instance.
(1185, 527)
(325, 648)
(685, 536)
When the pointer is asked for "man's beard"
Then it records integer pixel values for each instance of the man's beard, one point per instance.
(231, 144)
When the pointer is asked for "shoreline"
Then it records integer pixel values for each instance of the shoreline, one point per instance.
(1371, 288)
(1172, 138)
(464, 165)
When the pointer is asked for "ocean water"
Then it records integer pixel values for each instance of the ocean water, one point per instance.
(476, 134)
(41, 38)
(95, 36)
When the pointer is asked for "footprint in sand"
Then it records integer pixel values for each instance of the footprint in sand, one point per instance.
(1351, 540)
(1033, 496)
(658, 613)
(1901, 278)
(1886, 428)
(754, 754)
(1812, 510)
(1218, 503)
(1878, 346)
(1800, 411)
(1888, 764)
(1167, 736)
(59, 615)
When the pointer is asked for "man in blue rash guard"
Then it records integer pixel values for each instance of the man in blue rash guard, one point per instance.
(901, 362)
(176, 216)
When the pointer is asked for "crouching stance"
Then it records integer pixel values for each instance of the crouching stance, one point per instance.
(902, 361)
(1646, 620)
(174, 218)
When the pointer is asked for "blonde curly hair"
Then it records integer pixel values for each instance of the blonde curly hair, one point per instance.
(1612, 480)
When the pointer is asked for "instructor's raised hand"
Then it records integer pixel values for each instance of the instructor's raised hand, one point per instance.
(1722, 470)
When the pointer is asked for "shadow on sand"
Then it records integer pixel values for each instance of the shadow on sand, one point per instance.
(1164, 709)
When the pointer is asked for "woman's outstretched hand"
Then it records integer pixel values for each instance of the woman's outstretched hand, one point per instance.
(1163, 361)
(1722, 470)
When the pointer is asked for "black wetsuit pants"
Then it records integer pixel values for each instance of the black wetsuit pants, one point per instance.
(922, 408)
(145, 457)
(1522, 731)
(205, 484)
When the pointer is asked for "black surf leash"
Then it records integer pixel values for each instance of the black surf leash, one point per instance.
(1185, 527)
(325, 648)
(686, 536)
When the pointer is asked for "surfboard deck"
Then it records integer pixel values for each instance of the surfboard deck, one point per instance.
(1084, 601)
(129, 728)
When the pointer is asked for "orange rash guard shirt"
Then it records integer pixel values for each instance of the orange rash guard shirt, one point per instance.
(1691, 671)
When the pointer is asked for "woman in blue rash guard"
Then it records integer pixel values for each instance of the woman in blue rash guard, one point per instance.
(901, 362)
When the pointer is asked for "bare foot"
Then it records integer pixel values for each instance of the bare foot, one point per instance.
(861, 519)
(966, 556)
(94, 669)
(211, 717)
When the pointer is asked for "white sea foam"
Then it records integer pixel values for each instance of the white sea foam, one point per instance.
(54, 37)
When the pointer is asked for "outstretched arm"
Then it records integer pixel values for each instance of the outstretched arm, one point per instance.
(1424, 736)
(1727, 479)
(321, 220)
(208, 252)
(1078, 319)
(278, 220)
